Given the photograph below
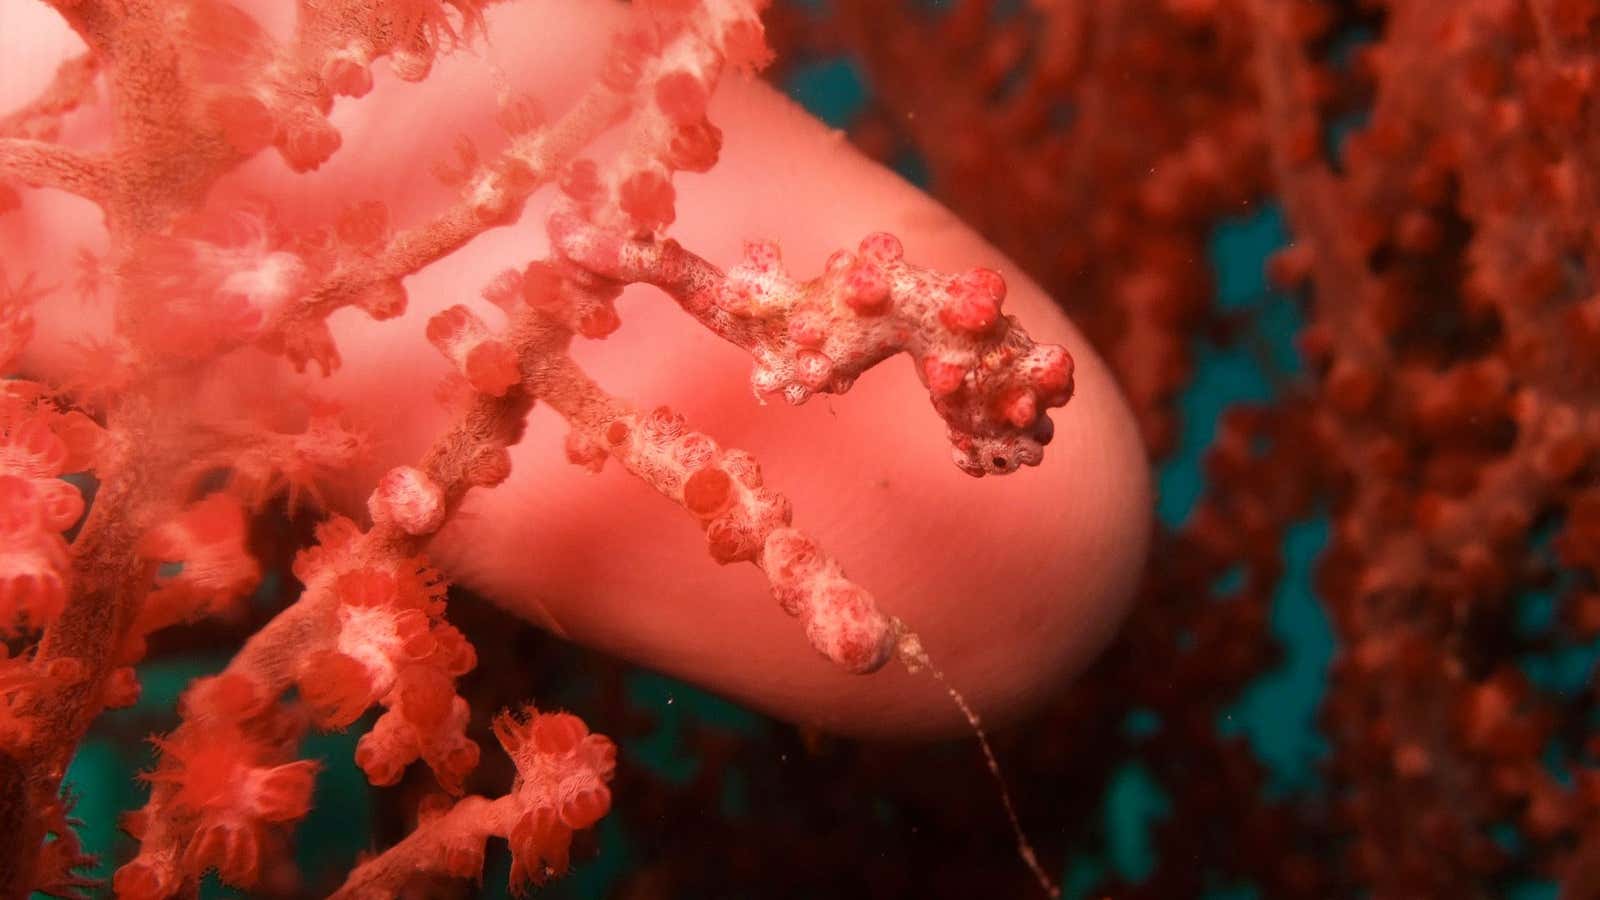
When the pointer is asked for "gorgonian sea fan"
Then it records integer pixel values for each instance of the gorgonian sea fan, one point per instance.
(180, 414)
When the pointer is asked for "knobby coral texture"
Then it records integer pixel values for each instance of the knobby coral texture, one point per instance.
(129, 485)
(1435, 417)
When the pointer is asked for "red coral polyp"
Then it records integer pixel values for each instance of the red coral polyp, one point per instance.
(562, 775)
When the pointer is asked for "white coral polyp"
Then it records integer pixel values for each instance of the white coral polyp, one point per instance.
(410, 500)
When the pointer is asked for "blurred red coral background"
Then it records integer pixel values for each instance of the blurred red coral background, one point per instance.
(1410, 399)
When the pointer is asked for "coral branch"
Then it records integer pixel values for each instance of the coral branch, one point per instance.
(42, 164)
(493, 196)
(40, 118)
(744, 521)
(449, 844)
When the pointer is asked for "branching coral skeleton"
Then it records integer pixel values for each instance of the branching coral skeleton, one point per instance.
(194, 89)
